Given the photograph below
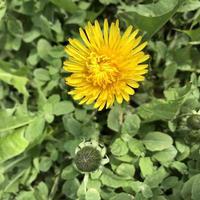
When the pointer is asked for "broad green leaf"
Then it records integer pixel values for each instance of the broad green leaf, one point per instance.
(92, 194)
(70, 188)
(126, 170)
(189, 5)
(142, 187)
(159, 110)
(67, 5)
(95, 184)
(131, 124)
(107, 2)
(12, 144)
(113, 118)
(190, 188)
(156, 178)
(45, 163)
(2, 8)
(166, 155)
(77, 18)
(122, 196)
(43, 24)
(196, 189)
(70, 146)
(170, 182)
(183, 149)
(179, 166)
(57, 52)
(63, 107)
(41, 74)
(69, 173)
(31, 35)
(80, 114)
(170, 71)
(146, 166)
(15, 27)
(157, 141)
(119, 147)
(12, 122)
(126, 158)
(26, 195)
(43, 48)
(34, 132)
(136, 147)
(13, 43)
(72, 125)
(193, 34)
(150, 17)
(19, 82)
(109, 179)
(41, 191)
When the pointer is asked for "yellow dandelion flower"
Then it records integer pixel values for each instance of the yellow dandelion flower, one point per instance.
(106, 65)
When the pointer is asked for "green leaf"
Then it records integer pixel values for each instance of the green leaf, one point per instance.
(119, 147)
(157, 141)
(26, 195)
(196, 189)
(31, 35)
(70, 188)
(137, 187)
(146, 166)
(170, 182)
(150, 17)
(43, 24)
(12, 122)
(80, 114)
(113, 118)
(183, 149)
(72, 125)
(193, 34)
(77, 18)
(43, 48)
(35, 129)
(181, 167)
(69, 173)
(92, 194)
(107, 2)
(41, 74)
(190, 188)
(57, 52)
(19, 82)
(2, 9)
(45, 163)
(15, 27)
(109, 179)
(70, 146)
(136, 147)
(12, 144)
(126, 170)
(122, 196)
(156, 178)
(159, 110)
(131, 124)
(41, 191)
(67, 5)
(63, 107)
(189, 5)
(166, 155)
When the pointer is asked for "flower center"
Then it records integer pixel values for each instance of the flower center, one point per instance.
(101, 70)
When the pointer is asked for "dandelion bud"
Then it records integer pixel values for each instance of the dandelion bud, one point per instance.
(88, 159)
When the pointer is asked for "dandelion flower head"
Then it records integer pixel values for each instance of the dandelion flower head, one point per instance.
(106, 65)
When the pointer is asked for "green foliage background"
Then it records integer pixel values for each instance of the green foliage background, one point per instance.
(152, 143)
